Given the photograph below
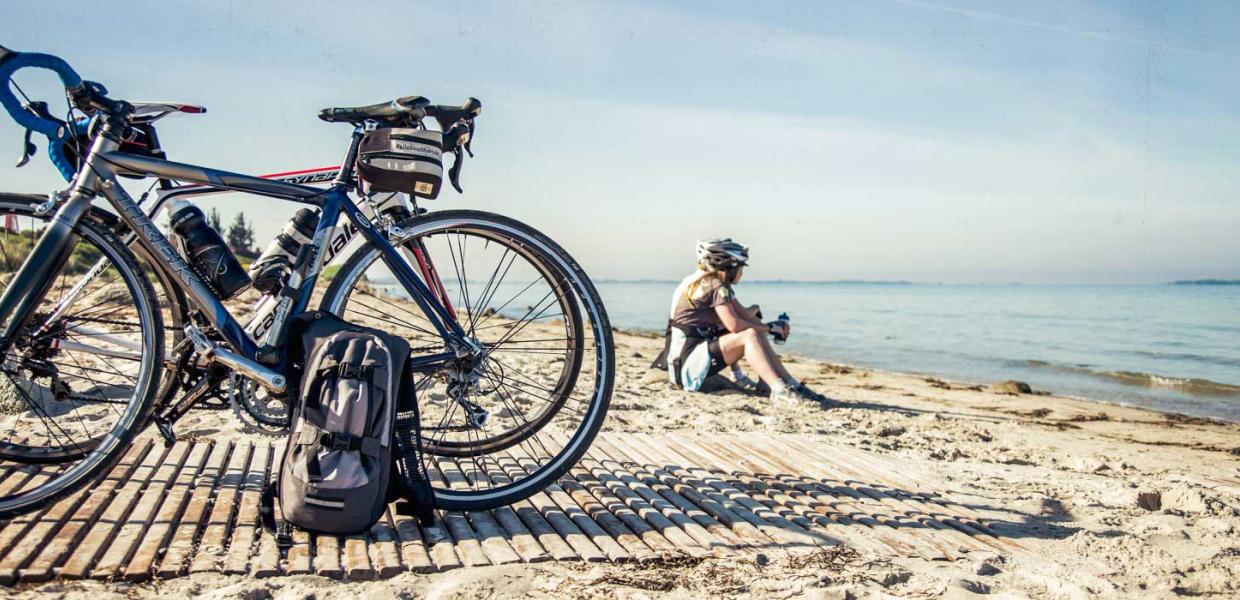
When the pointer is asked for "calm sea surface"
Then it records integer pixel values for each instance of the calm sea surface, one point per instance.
(1172, 348)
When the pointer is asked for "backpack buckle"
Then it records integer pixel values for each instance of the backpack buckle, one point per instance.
(352, 371)
(340, 441)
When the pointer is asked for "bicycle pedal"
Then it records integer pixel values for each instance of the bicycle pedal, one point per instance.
(165, 430)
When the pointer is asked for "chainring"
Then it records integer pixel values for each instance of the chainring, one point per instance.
(258, 411)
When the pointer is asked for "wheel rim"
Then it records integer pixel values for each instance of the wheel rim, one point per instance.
(463, 468)
(68, 382)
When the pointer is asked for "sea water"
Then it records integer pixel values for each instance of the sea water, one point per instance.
(1167, 347)
(1173, 348)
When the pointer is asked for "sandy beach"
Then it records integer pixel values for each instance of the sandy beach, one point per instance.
(1108, 501)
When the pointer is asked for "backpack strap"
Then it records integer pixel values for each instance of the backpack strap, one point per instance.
(346, 370)
(418, 498)
(311, 436)
(283, 530)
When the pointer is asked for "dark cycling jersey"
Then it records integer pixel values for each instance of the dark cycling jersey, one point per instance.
(695, 299)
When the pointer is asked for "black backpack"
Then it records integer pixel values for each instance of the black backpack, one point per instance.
(354, 420)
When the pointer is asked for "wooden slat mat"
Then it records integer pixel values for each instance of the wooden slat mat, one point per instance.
(164, 512)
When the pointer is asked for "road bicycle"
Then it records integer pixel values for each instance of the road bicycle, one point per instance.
(514, 363)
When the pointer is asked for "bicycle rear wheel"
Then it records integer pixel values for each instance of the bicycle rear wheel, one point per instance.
(548, 364)
(79, 380)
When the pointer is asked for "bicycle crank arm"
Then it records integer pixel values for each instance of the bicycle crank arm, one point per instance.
(259, 373)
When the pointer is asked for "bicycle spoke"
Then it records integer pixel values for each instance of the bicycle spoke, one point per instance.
(488, 292)
(540, 370)
(47, 420)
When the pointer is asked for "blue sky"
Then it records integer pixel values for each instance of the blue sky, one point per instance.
(932, 141)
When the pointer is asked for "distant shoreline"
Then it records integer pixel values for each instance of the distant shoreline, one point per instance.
(879, 282)
(1206, 282)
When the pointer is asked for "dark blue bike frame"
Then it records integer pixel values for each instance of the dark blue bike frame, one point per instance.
(106, 163)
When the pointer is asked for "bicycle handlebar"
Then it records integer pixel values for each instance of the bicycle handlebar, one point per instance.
(11, 62)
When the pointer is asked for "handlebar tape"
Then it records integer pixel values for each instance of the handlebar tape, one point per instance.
(56, 152)
(10, 63)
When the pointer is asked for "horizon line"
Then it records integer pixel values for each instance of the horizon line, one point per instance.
(1176, 282)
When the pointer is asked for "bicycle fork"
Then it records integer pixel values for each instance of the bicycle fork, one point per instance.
(48, 256)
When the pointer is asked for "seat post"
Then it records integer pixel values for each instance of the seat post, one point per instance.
(346, 168)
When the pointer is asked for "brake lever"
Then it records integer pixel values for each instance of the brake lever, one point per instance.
(454, 174)
(39, 109)
(28, 150)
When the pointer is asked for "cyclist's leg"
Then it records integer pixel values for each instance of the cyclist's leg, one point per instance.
(757, 350)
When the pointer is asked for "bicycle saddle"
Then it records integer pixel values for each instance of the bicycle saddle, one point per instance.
(400, 111)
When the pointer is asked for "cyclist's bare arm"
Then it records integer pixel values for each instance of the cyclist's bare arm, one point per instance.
(737, 318)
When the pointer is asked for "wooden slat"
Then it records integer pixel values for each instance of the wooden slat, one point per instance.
(215, 534)
(327, 556)
(490, 535)
(267, 560)
(932, 505)
(659, 532)
(143, 513)
(633, 496)
(12, 532)
(85, 513)
(927, 514)
(83, 556)
(790, 492)
(300, 554)
(678, 528)
(177, 554)
(610, 522)
(27, 535)
(736, 500)
(143, 561)
(910, 476)
(442, 550)
(384, 553)
(845, 501)
(696, 491)
(467, 544)
(694, 521)
(357, 559)
(246, 523)
(946, 542)
(609, 498)
(531, 535)
(551, 514)
(579, 517)
(413, 550)
(753, 492)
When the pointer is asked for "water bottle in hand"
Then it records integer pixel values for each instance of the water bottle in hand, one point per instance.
(781, 338)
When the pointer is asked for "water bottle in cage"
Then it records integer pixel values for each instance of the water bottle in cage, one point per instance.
(206, 251)
(272, 269)
(273, 266)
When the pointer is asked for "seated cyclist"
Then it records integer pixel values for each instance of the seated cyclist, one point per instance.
(709, 329)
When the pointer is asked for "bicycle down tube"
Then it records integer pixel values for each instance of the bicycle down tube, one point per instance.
(108, 163)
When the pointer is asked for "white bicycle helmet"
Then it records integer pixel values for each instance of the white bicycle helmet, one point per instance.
(722, 254)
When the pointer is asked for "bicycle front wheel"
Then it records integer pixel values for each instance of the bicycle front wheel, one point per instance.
(78, 381)
(501, 429)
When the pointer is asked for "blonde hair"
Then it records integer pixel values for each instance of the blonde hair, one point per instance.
(692, 287)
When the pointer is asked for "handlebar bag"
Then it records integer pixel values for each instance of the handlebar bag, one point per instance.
(402, 160)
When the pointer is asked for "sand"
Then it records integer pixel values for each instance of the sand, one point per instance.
(1112, 501)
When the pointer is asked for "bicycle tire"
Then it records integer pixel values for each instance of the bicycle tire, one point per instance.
(108, 448)
(529, 483)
